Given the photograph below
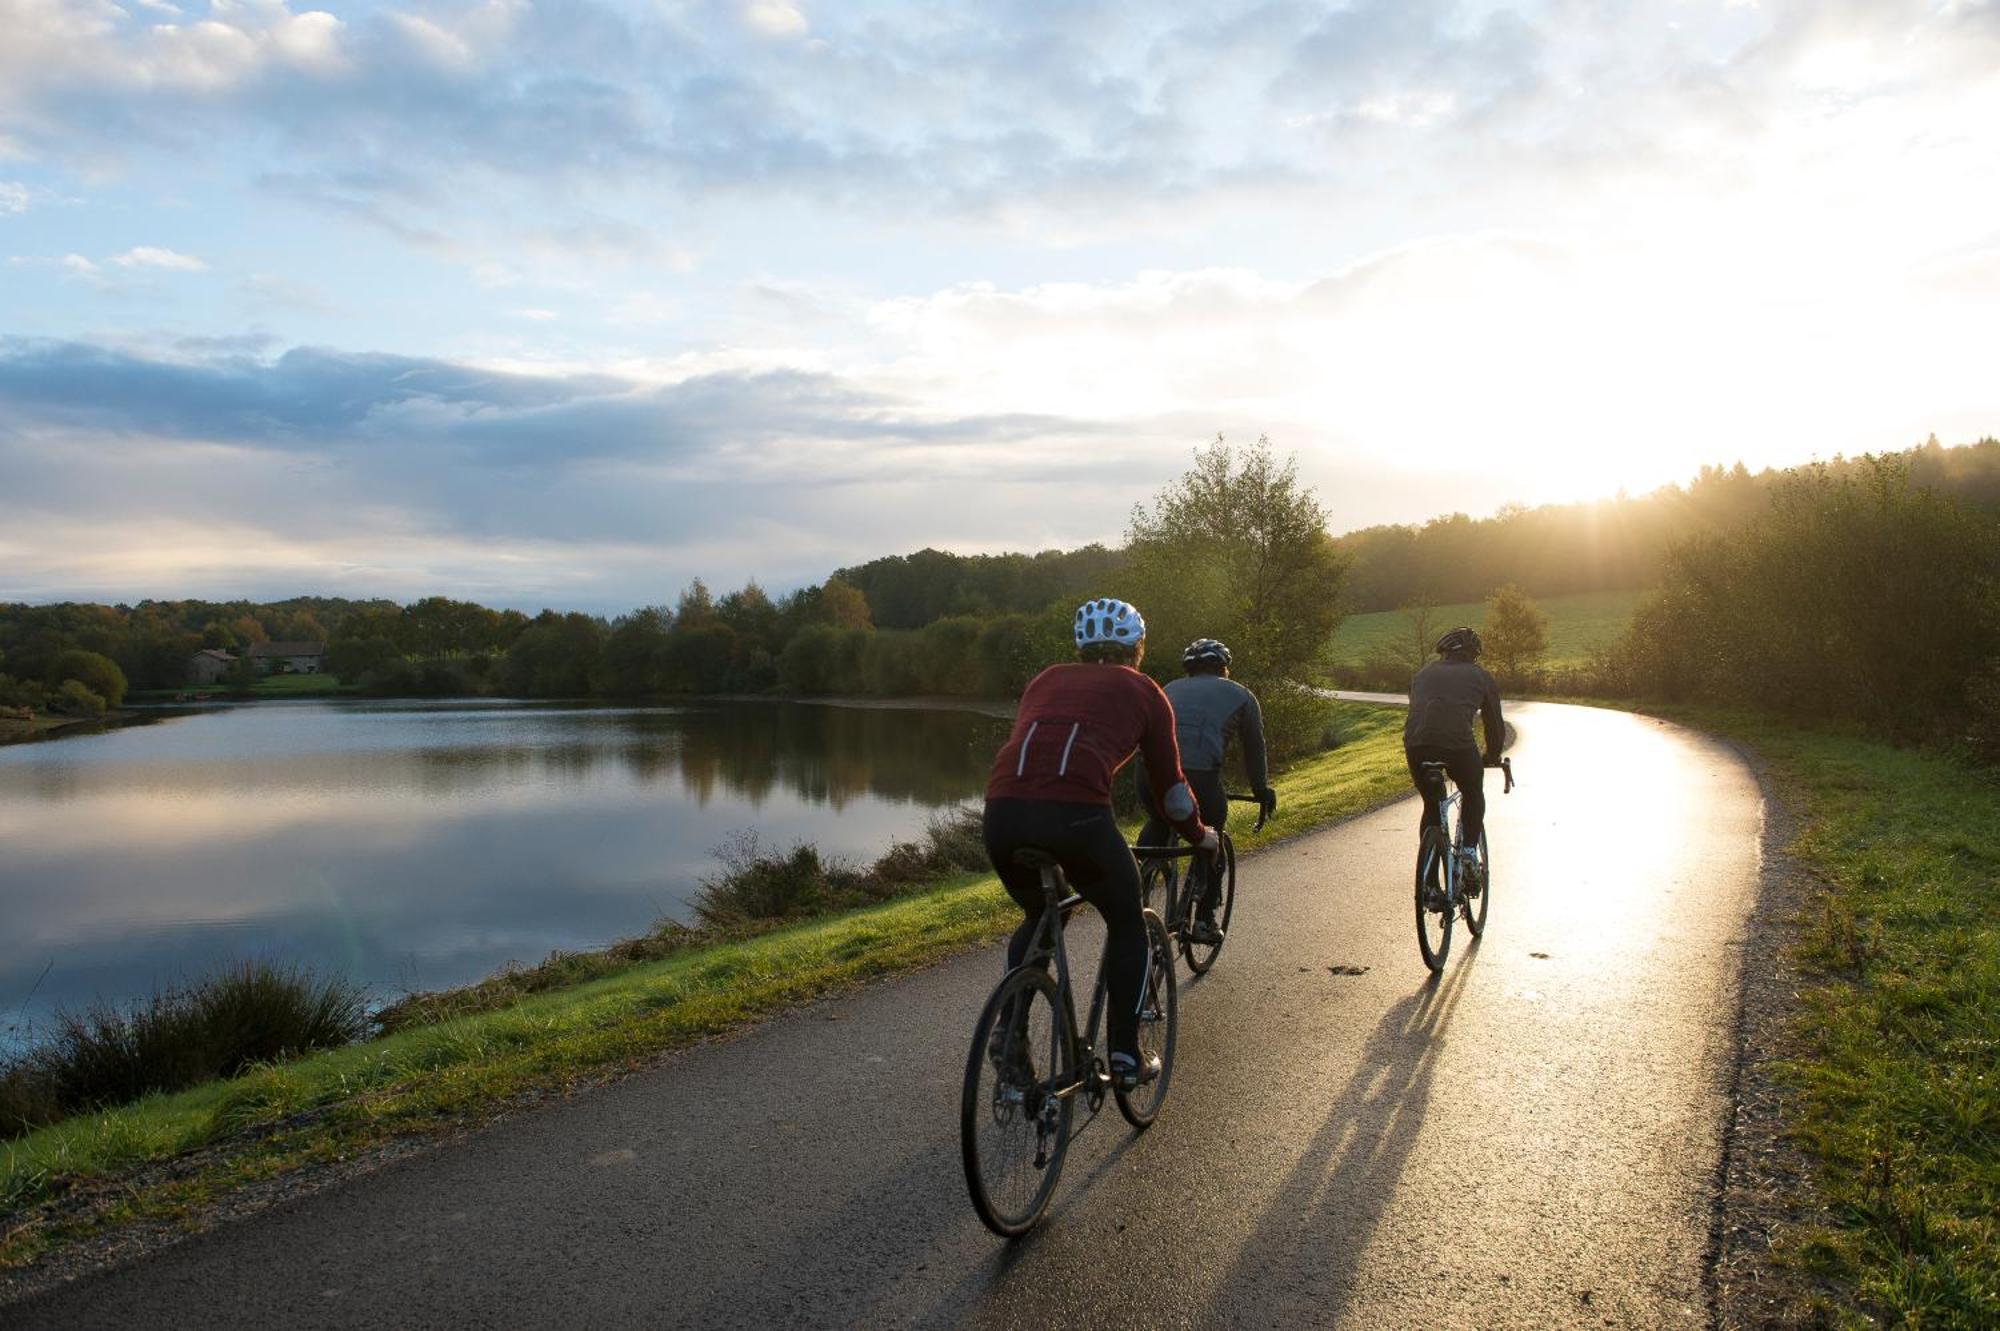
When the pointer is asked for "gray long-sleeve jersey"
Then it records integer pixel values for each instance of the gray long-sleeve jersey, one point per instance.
(1208, 709)
(1444, 697)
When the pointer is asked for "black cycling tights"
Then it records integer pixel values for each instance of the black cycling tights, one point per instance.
(1085, 840)
(1470, 775)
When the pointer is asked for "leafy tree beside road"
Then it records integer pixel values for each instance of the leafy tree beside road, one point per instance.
(1516, 634)
(1237, 549)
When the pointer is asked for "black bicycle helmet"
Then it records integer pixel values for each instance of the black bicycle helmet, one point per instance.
(1204, 651)
(1460, 641)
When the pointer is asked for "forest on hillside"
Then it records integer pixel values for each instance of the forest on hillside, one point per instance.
(1616, 544)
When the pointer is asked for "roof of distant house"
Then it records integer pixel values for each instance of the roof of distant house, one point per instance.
(217, 653)
(288, 649)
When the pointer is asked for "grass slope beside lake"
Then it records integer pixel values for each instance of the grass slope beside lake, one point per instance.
(1578, 625)
(93, 1173)
(1894, 1070)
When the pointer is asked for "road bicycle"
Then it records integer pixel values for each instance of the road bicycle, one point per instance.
(1175, 894)
(1030, 1064)
(1443, 895)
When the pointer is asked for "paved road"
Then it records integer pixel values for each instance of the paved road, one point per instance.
(1532, 1142)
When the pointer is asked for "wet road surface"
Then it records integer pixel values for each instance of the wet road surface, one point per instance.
(1530, 1142)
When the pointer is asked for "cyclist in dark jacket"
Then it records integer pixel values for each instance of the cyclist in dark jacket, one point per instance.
(1050, 790)
(1210, 709)
(1445, 696)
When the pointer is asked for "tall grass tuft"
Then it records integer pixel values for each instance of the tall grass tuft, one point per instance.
(250, 1012)
(755, 886)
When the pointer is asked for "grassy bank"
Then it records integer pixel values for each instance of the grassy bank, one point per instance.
(1578, 625)
(269, 686)
(1893, 1078)
(101, 1171)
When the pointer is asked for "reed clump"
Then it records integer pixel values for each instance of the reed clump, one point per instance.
(246, 1013)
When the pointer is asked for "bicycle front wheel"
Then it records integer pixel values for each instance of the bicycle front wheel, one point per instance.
(1434, 908)
(1201, 956)
(1013, 1123)
(1157, 1016)
(1156, 888)
(1475, 907)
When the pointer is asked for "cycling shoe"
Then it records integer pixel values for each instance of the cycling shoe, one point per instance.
(1129, 1073)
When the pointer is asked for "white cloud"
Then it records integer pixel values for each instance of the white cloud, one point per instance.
(152, 256)
(775, 18)
(104, 49)
(14, 198)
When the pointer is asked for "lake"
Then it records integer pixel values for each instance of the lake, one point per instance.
(416, 845)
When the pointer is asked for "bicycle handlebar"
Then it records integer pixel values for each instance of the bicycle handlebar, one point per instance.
(1262, 816)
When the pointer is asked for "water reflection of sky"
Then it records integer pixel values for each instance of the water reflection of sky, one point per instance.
(424, 844)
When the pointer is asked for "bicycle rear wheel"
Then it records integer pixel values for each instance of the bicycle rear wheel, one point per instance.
(1157, 1015)
(1013, 1128)
(1201, 956)
(1475, 907)
(1433, 924)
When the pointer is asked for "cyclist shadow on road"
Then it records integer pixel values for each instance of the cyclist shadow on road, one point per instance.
(1301, 1261)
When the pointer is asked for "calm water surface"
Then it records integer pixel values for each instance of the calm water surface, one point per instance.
(421, 844)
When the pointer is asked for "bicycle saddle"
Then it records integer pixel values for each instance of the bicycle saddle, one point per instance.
(1030, 858)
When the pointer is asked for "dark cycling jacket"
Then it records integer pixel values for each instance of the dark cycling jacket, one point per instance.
(1078, 724)
(1208, 711)
(1444, 697)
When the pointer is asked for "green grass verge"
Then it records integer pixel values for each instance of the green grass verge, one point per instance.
(299, 686)
(88, 1174)
(1896, 1076)
(1577, 626)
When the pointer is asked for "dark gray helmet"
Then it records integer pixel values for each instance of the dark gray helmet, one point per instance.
(1203, 650)
(1460, 641)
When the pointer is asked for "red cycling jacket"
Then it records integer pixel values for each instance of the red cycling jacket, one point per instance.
(1079, 724)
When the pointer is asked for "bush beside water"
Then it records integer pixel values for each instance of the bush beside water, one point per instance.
(757, 887)
(252, 1012)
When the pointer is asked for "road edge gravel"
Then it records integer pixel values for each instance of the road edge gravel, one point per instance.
(1764, 1180)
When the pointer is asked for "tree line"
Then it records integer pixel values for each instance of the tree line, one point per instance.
(1235, 548)
(1861, 594)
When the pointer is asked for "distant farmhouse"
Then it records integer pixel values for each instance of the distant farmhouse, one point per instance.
(289, 658)
(209, 665)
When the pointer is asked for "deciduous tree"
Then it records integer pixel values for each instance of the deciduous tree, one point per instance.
(1516, 633)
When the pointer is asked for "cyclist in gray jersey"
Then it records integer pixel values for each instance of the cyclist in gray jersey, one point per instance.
(1445, 698)
(1210, 709)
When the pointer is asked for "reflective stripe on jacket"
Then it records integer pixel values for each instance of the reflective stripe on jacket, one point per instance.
(1078, 724)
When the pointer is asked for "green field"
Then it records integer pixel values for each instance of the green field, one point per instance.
(1577, 625)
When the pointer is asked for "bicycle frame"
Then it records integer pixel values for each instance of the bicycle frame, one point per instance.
(1048, 943)
(1447, 822)
(1177, 880)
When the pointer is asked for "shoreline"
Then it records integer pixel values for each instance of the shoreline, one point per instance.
(16, 731)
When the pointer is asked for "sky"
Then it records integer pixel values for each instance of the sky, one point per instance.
(565, 302)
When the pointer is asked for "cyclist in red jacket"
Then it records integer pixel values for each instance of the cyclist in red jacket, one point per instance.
(1051, 790)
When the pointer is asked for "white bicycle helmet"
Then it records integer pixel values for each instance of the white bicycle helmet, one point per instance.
(1108, 619)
